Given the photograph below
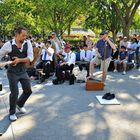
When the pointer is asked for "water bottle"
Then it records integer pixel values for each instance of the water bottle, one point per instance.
(0, 85)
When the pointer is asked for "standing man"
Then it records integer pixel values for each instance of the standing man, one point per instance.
(56, 45)
(20, 52)
(104, 48)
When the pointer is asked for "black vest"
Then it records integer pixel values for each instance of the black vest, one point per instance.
(20, 67)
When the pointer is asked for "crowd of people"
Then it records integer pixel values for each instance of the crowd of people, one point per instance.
(54, 55)
(87, 55)
(31, 59)
(128, 52)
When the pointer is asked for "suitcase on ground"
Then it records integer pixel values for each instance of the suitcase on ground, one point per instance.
(94, 85)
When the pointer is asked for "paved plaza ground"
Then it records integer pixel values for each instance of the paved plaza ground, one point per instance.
(69, 112)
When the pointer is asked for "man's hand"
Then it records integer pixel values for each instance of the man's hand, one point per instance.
(107, 39)
(9, 62)
(44, 47)
(16, 61)
(5, 63)
(63, 63)
(110, 43)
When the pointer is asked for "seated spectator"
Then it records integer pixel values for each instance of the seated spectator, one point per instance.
(85, 56)
(77, 53)
(123, 42)
(138, 53)
(122, 59)
(67, 64)
(45, 64)
(131, 49)
(61, 55)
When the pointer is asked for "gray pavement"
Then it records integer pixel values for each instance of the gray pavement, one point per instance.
(69, 112)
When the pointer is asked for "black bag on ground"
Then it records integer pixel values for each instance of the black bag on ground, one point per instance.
(55, 81)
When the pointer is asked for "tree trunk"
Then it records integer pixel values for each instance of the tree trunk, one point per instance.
(61, 32)
(4, 35)
(0, 31)
(57, 32)
(114, 34)
(126, 30)
(69, 28)
(43, 33)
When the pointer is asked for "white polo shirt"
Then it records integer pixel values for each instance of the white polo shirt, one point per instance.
(70, 58)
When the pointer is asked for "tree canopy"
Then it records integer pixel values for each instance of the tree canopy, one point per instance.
(44, 16)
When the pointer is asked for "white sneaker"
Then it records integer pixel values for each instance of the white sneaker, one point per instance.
(115, 70)
(124, 73)
(21, 109)
(13, 117)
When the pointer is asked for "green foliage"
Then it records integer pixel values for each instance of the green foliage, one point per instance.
(125, 10)
(56, 15)
(136, 20)
(113, 15)
(43, 16)
(106, 18)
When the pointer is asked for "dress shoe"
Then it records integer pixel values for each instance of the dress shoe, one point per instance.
(107, 94)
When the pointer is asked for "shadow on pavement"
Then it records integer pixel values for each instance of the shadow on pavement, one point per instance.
(4, 124)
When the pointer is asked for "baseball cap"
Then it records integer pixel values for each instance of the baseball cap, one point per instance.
(104, 32)
(53, 33)
(67, 46)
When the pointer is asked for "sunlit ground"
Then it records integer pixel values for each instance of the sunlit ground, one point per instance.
(66, 112)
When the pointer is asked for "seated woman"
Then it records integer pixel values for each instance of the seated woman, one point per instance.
(122, 59)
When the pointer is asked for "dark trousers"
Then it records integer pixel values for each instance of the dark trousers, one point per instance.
(131, 57)
(46, 66)
(14, 79)
(84, 65)
(54, 62)
(60, 69)
(31, 72)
